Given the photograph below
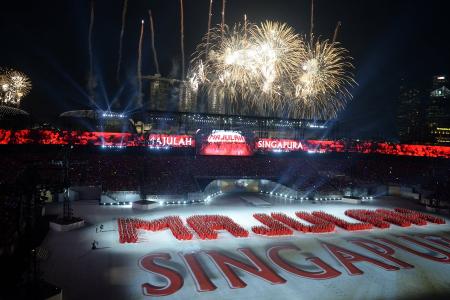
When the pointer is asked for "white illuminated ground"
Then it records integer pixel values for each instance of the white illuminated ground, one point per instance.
(112, 272)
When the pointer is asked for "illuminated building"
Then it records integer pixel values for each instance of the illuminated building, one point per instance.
(438, 111)
(217, 104)
(167, 94)
(409, 114)
(160, 91)
(190, 123)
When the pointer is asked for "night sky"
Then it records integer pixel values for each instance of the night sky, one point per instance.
(388, 40)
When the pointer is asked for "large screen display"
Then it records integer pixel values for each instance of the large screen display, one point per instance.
(225, 142)
(215, 142)
(283, 145)
(170, 141)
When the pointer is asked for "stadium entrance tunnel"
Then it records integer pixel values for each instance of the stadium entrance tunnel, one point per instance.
(249, 185)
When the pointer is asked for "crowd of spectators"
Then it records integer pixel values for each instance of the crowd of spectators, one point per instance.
(179, 173)
(9, 221)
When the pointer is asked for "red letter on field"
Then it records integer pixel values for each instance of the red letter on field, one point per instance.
(326, 272)
(347, 258)
(381, 250)
(436, 239)
(174, 280)
(445, 259)
(258, 268)
(199, 276)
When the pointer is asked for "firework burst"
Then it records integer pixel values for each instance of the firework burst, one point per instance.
(246, 62)
(14, 85)
(277, 50)
(321, 82)
(226, 69)
(272, 69)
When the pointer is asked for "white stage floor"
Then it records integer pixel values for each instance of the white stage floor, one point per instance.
(113, 270)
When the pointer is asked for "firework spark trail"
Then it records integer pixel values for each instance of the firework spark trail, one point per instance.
(245, 27)
(222, 23)
(311, 29)
(336, 31)
(182, 39)
(91, 80)
(152, 30)
(122, 32)
(139, 65)
(209, 25)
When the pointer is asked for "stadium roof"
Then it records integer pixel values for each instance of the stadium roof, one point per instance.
(80, 114)
(6, 112)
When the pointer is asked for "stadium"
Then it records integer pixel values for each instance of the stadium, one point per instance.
(269, 202)
(212, 201)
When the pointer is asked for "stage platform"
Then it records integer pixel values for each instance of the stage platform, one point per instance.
(121, 271)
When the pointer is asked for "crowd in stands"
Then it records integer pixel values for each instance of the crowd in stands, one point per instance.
(180, 173)
(8, 216)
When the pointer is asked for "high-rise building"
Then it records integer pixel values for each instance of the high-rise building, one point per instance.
(438, 111)
(217, 103)
(439, 81)
(168, 94)
(409, 114)
(188, 100)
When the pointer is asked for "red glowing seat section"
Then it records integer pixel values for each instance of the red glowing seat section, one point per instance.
(115, 139)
